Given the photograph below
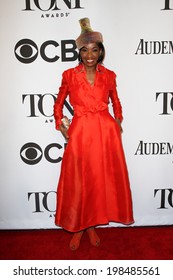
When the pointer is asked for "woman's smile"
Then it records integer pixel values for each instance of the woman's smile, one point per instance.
(90, 54)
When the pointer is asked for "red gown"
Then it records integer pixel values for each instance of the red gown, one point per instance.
(93, 186)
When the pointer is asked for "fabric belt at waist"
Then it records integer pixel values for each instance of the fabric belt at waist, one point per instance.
(83, 110)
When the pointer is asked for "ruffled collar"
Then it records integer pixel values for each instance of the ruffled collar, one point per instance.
(80, 68)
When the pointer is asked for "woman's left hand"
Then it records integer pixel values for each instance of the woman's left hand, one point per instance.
(119, 123)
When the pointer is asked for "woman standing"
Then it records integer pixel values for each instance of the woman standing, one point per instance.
(94, 186)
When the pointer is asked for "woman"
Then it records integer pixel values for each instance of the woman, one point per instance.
(93, 187)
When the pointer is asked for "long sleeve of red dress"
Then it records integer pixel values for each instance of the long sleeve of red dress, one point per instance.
(116, 104)
(58, 106)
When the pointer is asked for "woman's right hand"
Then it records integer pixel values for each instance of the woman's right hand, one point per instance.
(64, 131)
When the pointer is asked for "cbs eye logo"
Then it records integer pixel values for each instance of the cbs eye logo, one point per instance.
(31, 153)
(26, 51)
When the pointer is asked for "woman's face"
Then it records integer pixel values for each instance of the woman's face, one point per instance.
(90, 54)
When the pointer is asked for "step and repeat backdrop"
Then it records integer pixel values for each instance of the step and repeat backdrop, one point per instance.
(37, 45)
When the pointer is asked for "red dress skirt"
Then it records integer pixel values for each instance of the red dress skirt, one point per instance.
(93, 187)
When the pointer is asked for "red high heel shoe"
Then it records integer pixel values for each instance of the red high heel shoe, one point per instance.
(75, 241)
(94, 239)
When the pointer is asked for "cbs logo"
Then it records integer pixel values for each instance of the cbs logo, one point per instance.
(31, 153)
(26, 51)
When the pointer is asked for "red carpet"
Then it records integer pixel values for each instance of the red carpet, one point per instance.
(131, 243)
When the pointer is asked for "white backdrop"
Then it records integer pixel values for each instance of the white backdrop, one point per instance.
(139, 48)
